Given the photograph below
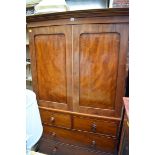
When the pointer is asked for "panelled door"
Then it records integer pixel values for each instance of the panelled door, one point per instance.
(51, 55)
(80, 68)
(99, 53)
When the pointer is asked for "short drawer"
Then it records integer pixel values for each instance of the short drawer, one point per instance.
(55, 118)
(82, 139)
(95, 125)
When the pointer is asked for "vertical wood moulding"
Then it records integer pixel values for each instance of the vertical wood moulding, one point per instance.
(75, 52)
(69, 70)
(33, 62)
(123, 30)
(72, 85)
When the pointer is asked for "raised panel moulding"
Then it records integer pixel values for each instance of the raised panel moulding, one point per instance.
(98, 69)
(51, 66)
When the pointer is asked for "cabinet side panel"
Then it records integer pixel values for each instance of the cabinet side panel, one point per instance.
(51, 67)
(98, 69)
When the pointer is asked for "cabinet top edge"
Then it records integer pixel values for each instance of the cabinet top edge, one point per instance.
(78, 14)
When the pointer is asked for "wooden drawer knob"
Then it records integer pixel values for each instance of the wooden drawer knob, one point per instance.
(93, 143)
(53, 134)
(54, 150)
(52, 119)
(93, 127)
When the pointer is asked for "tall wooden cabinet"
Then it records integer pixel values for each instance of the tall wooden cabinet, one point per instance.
(78, 68)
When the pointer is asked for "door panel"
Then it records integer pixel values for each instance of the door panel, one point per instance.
(51, 64)
(53, 55)
(98, 67)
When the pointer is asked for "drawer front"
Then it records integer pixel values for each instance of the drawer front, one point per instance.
(83, 139)
(95, 125)
(54, 147)
(55, 118)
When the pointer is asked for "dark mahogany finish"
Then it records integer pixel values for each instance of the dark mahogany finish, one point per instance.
(99, 56)
(102, 143)
(51, 62)
(80, 14)
(98, 67)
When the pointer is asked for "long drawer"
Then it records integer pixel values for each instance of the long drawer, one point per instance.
(96, 125)
(54, 147)
(55, 118)
(85, 139)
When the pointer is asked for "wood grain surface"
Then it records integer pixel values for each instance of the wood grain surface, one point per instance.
(103, 143)
(83, 66)
(98, 69)
(78, 72)
(55, 118)
(51, 64)
(51, 58)
(95, 125)
(79, 14)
